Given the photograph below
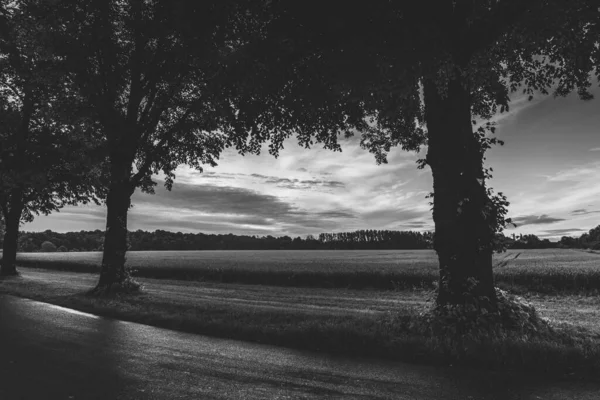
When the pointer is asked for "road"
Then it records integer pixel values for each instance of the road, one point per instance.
(48, 352)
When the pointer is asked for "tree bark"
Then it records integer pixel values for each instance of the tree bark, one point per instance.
(11, 235)
(118, 201)
(463, 236)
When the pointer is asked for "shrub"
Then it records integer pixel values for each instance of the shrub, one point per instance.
(62, 249)
(48, 247)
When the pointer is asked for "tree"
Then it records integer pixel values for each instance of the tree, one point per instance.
(45, 160)
(154, 76)
(406, 74)
(48, 247)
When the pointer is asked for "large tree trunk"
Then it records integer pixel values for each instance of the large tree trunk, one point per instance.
(463, 237)
(118, 201)
(11, 235)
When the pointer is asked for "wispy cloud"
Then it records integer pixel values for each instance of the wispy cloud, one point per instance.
(576, 173)
(206, 207)
(583, 211)
(535, 220)
(303, 184)
(595, 149)
(563, 231)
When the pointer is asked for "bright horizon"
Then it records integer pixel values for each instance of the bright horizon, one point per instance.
(548, 168)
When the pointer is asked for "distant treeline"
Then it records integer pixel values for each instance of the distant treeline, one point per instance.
(163, 240)
(589, 240)
(358, 240)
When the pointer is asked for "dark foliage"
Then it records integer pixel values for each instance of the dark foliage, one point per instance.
(46, 146)
(163, 240)
(590, 240)
(358, 240)
(529, 242)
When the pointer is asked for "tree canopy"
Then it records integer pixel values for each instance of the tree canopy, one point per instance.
(155, 78)
(46, 147)
(428, 74)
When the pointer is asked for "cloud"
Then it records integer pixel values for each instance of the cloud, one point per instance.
(583, 211)
(391, 215)
(206, 207)
(535, 220)
(302, 170)
(595, 149)
(303, 184)
(284, 183)
(414, 224)
(336, 214)
(83, 213)
(191, 222)
(215, 175)
(576, 174)
(556, 232)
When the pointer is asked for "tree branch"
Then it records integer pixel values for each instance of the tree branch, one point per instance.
(13, 88)
(144, 169)
(136, 91)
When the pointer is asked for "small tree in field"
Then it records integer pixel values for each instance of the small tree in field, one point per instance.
(48, 247)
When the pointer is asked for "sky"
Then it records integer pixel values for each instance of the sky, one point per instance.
(549, 168)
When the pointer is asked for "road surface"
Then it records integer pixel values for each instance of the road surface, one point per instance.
(48, 352)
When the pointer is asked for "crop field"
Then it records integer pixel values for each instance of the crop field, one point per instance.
(548, 271)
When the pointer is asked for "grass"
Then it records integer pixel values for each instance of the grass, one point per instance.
(543, 271)
(360, 323)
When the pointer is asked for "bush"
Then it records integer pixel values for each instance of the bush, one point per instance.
(48, 247)
(62, 249)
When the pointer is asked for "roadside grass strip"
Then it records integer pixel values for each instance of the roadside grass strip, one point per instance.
(354, 323)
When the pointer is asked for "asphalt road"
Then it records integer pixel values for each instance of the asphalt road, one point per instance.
(48, 352)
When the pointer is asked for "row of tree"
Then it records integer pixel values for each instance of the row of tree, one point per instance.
(164, 240)
(358, 240)
(377, 239)
(589, 240)
(97, 96)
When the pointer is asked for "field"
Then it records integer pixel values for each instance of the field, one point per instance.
(544, 271)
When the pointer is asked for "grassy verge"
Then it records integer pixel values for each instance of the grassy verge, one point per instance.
(382, 333)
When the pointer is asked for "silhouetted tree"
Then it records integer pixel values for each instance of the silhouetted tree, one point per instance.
(414, 73)
(153, 75)
(588, 240)
(45, 158)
